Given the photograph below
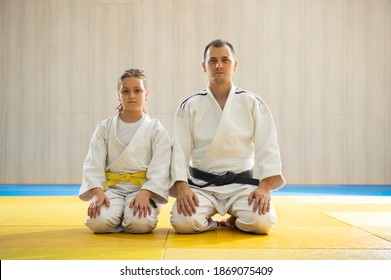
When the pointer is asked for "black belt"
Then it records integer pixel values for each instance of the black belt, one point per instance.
(220, 180)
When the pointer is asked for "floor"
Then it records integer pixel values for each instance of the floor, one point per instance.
(312, 226)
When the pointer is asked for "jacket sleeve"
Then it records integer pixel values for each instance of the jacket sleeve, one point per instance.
(94, 164)
(181, 148)
(158, 171)
(267, 153)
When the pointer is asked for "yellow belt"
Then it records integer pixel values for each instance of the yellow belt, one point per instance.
(134, 178)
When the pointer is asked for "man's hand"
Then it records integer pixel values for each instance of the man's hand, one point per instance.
(261, 196)
(186, 200)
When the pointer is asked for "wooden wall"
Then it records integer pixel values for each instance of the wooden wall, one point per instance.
(322, 66)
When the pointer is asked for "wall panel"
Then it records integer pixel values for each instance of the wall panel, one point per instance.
(323, 68)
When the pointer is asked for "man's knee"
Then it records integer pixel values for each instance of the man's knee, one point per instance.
(264, 224)
(189, 224)
(256, 223)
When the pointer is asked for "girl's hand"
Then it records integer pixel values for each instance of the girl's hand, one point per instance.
(99, 198)
(141, 204)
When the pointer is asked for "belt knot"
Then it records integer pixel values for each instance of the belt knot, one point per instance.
(134, 178)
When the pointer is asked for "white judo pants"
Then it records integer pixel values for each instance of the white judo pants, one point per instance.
(119, 217)
(237, 206)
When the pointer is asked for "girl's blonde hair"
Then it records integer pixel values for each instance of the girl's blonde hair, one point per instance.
(136, 73)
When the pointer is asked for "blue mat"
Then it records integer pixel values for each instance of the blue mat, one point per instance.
(288, 190)
(39, 190)
(340, 190)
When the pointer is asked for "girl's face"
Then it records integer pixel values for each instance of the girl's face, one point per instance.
(132, 94)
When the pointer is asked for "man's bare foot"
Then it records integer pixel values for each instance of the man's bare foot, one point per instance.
(230, 222)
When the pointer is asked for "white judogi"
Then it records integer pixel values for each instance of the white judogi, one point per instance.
(150, 150)
(238, 138)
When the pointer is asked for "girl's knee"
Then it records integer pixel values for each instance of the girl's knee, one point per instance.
(102, 224)
(134, 224)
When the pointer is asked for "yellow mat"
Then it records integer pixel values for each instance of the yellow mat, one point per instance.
(309, 228)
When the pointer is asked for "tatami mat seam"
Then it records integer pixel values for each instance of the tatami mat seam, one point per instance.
(374, 234)
(359, 228)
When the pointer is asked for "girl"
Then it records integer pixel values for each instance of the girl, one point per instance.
(126, 171)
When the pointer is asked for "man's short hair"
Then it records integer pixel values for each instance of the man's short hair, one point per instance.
(217, 44)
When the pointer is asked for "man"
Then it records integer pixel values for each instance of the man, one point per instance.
(219, 133)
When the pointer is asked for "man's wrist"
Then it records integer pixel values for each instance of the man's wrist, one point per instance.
(181, 184)
(267, 183)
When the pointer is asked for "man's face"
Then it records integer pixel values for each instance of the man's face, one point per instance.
(219, 65)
